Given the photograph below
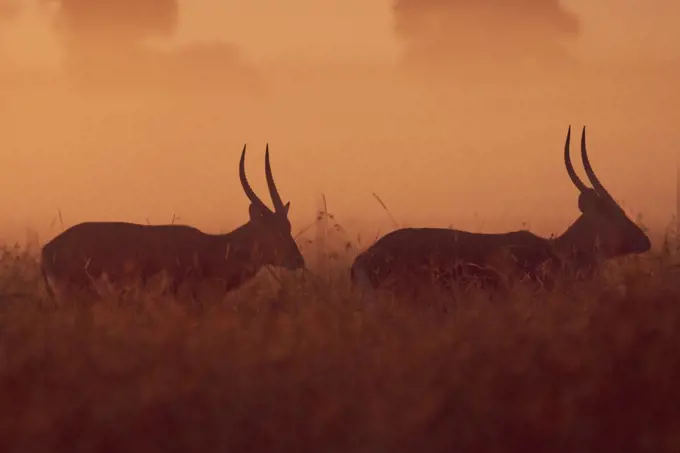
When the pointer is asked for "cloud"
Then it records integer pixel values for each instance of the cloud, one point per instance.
(9, 9)
(503, 31)
(112, 46)
(209, 63)
(214, 67)
(118, 23)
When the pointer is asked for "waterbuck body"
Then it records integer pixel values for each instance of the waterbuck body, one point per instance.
(405, 260)
(127, 252)
(408, 259)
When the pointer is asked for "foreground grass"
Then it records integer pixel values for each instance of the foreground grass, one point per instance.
(310, 366)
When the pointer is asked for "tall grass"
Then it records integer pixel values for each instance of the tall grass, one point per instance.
(300, 364)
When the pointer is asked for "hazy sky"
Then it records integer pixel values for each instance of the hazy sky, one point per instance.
(269, 28)
(351, 29)
(481, 158)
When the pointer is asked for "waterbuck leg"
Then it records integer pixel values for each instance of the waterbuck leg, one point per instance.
(121, 296)
(85, 293)
(175, 283)
(197, 300)
(144, 277)
(141, 288)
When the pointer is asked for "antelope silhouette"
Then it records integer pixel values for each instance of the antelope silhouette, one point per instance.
(410, 258)
(131, 252)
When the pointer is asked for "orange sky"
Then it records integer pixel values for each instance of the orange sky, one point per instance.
(270, 29)
(614, 27)
(481, 158)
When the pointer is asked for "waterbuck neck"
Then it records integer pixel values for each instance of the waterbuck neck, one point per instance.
(242, 247)
(580, 242)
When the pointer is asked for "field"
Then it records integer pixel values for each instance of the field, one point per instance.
(300, 364)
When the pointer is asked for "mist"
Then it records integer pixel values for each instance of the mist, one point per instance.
(510, 35)
(142, 122)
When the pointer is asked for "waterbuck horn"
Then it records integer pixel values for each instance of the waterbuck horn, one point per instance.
(250, 193)
(273, 192)
(597, 185)
(570, 168)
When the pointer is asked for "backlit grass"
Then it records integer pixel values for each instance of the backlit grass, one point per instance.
(308, 364)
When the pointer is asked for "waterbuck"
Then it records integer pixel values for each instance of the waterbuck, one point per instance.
(408, 259)
(125, 252)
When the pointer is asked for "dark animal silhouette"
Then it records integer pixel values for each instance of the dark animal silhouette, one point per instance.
(131, 252)
(408, 259)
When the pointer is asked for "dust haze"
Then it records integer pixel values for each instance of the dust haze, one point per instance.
(456, 33)
(460, 119)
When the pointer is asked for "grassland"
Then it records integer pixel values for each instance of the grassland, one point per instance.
(293, 364)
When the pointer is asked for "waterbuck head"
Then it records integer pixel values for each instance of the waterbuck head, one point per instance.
(276, 244)
(603, 223)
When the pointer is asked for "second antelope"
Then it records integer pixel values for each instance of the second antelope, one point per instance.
(127, 251)
(409, 258)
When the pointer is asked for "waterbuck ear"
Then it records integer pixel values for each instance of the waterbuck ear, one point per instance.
(256, 213)
(588, 202)
(286, 207)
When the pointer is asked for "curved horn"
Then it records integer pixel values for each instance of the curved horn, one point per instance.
(570, 168)
(250, 193)
(597, 185)
(273, 192)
